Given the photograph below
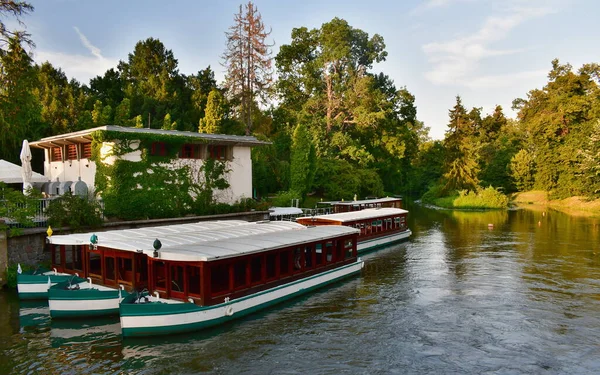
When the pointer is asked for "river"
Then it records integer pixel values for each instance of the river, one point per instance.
(519, 297)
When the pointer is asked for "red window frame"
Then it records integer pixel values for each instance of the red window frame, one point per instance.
(217, 152)
(86, 150)
(56, 154)
(158, 149)
(190, 151)
(71, 152)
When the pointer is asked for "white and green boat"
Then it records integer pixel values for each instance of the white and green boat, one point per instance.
(34, 284)
(378, 227)
(78, 298)
(206, 284)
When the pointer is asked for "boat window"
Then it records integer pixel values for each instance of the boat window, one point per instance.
(256, 270)
(160, 275)
(56, 256)
(396, 222)
(339, 255)
(318, 254)
(193, 285)
(125, 269)
(284, 263)
(348, 248)
(297, 259)
(239, 274)
(271, 266)
(177, 282)
(73, 259)
(219, 278)
(109, 263)
(329, 251)
(95, 263)
(403, 222)
(308, 257)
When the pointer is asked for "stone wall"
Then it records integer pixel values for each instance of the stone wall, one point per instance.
(29, 247)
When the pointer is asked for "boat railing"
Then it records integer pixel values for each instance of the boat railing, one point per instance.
(39, 217)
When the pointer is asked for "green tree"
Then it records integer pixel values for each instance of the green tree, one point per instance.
(214, 114)
(20, 110)
(123, 113)
(303, 161)
(522, 167)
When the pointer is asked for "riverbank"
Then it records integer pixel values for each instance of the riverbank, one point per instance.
(577, 206)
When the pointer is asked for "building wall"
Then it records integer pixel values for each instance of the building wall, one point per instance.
(239, 176)
(69, 170)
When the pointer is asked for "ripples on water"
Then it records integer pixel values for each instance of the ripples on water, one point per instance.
(522, 297)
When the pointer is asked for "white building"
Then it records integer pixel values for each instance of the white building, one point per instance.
(68, 156)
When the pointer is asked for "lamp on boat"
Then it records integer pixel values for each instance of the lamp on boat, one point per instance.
(93, 242)
(49, 233)
(157, 245)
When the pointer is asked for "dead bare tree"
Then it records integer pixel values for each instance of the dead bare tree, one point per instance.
(247, 59)
(16, 9)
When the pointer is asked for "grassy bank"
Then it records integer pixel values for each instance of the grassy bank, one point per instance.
(488, 198)
(573, 206)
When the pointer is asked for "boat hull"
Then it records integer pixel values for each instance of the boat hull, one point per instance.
(89, 301)
(371, 244)
(151, 319)
(36, 286)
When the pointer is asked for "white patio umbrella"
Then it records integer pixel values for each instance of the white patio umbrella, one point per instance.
(26, 170)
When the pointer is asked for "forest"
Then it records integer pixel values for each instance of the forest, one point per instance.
(337, 127)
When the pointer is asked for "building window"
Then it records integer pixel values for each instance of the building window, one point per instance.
(190, 151)
(218, 152)
(86, 150)
(56, 154)
(158, 149)
(71, 152)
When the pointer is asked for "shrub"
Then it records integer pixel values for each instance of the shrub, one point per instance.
(75, 212)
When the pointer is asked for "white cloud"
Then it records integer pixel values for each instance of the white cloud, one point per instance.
(505, 80)
(456, 61)
(78, 66)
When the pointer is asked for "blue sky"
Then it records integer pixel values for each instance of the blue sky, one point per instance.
(487, 51)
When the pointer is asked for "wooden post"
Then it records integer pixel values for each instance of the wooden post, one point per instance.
(3, 254)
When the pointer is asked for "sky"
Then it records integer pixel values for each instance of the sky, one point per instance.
(487, 51)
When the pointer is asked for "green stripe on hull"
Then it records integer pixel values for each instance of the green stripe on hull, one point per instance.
(41, 279)
(61, 314)
(379, 246)
(162, 330)
(81, 294)
(28, 296)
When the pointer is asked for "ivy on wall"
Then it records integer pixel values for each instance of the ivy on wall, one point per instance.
(152, 188)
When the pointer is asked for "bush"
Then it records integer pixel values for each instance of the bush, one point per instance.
(75, 212)
(284, 198)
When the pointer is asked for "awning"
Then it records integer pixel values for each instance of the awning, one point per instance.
(11, 174)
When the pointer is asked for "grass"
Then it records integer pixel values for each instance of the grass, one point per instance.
(577, 206)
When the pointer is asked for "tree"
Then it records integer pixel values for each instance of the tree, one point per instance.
(303, 161)
(522, 167)
(20, 110)
(462, 150)
(15, 9)
(213, 114)
(248, 61)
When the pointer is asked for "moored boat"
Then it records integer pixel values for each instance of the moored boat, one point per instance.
(34, 284)
(116, 260)
(77, 298)
(205, 284)
(378, 226)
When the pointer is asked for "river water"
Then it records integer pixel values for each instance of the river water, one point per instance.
(460, 297)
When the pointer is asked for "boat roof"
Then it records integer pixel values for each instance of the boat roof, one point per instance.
(143, 238)
(233, 247)
(366, 201)
(281, 211)
(368, 213)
